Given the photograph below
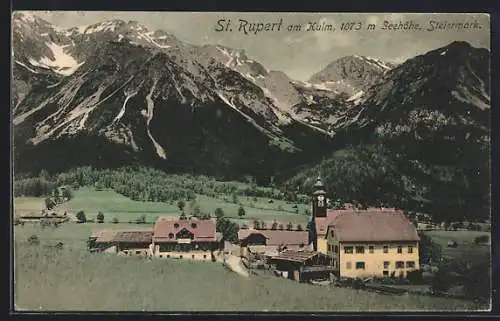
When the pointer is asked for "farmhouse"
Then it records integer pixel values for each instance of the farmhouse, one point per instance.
(373, 243)
(270, 242)
(134, 242)
(190, 239)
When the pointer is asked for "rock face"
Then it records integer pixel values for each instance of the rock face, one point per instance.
(117, 93)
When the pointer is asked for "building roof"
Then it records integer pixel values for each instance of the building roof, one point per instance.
(135, 236)
(295, 256)
(277, 237)
(373, 225)
(203, 230)
(105, 235)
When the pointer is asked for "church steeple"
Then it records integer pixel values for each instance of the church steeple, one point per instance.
(319, 199)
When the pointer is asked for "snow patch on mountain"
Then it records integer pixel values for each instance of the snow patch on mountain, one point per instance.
(62, 63)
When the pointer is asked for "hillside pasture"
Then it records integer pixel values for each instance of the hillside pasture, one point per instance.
(71, 279)
(112, 204)
(466, 248)
(28, 205)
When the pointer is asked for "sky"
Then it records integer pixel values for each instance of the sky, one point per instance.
(301, 53)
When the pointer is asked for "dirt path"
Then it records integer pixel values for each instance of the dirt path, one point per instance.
(233, 263)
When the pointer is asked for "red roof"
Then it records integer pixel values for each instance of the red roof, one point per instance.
(374, 225)
(323, 222)
(277, 237)
(202, 230)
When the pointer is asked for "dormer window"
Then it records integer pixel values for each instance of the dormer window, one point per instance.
(193, 225)
(176, 225)
(171, 235)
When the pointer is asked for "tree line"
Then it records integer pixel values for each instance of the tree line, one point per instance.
(147, 184)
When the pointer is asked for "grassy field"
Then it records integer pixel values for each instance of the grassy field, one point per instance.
(113, 205)
(466, 248)
(72, 279)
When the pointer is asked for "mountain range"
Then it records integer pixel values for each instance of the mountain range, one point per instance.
(116, 93)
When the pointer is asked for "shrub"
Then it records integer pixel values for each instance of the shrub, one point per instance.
(115, 220)
(299, 227)
(181, 204)
(256, 224)
(429, 250)
(50, 203)
(100, 217)
(241, 211)
(289, 226)
(274, 226)
(441, 282)
(263, 225)
(281, 227)
(33, 240)
(481, 239)
(141, 219)
(219, 213)
(183, 216)
(80, 216)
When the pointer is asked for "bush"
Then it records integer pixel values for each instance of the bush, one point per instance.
(115, 220)
(256, 224)
(219, 213)
(50, 203)
(274, 226)
(482, 239)
(299, 227)
(141, 219)
(441, 282)
(80, 216)
(181, 204)
(100, 217)
(429, 250)
(241, 211)
(33, 240)
(281, 227)
(289, 226)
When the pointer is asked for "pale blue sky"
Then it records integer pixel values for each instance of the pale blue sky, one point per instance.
(299, 54)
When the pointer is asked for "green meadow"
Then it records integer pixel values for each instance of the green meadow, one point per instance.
(113, 205)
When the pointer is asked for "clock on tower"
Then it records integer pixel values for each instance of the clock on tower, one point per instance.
(319, 199)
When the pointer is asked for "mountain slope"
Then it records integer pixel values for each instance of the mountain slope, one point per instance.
(351, 74)
(430, 116)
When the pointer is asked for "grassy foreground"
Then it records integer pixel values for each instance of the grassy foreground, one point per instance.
(73, 279)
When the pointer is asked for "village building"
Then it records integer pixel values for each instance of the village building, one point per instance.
(271, 242)
(185, 239)
(373, 243)
(361, 243)
(134, 242)
(130, 242)
(301, 265)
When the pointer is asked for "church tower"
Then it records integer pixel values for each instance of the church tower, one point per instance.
(319, 200)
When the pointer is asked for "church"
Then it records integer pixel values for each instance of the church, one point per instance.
(369, 242)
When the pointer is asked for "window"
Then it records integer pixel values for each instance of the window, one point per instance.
(331, 233)
(410, 249)
(176, 225)
(400, 249)
(192, 256)
(168, 256)
(348, 265)
(193, 225)
(400, 265)
(137, 252)
(410, 264)
(348, 249)
(385, 273)
(336, 249)
(360, 249)
(371, 249)
(161, 256)
(204, 256)
(181, 257)
(360, 265)
(401, 274)
(386, 249)
(386, 264)
(171, 235)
